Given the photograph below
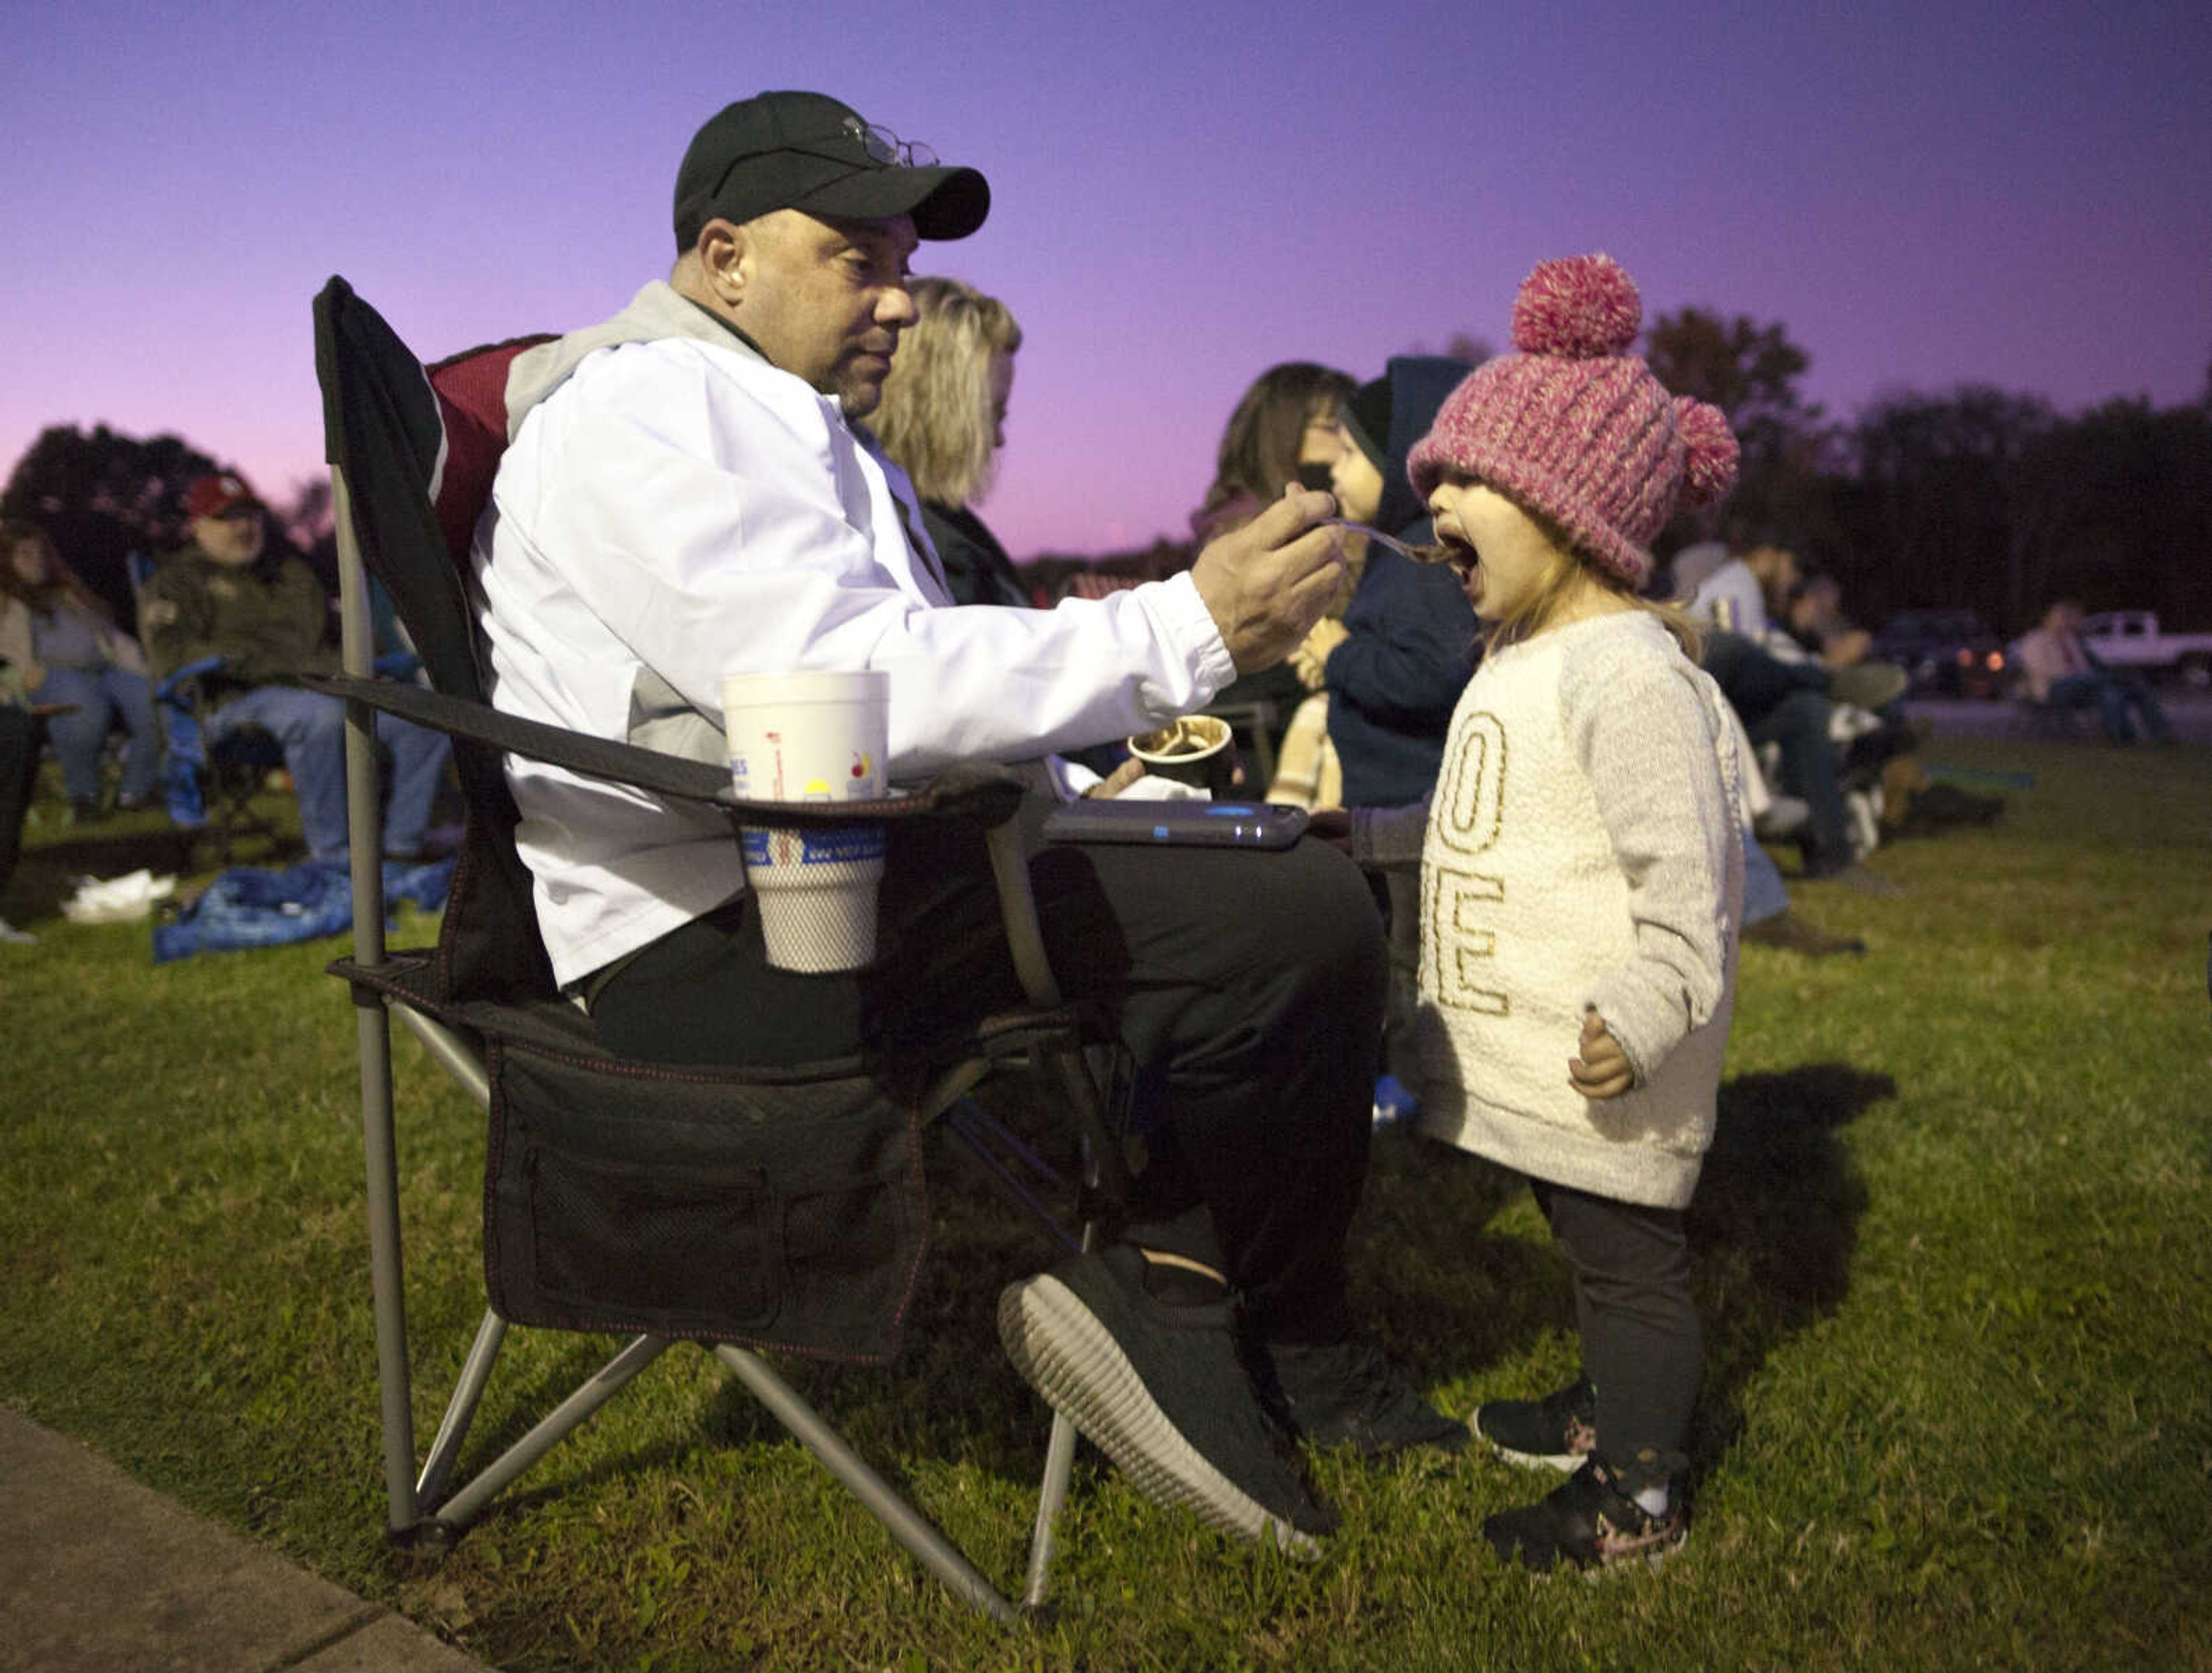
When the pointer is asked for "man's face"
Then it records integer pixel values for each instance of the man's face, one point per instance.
(233, 539)
(826, 300)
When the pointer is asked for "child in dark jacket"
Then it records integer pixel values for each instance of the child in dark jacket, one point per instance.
(1408, 652)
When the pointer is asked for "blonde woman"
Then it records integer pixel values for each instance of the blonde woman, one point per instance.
(944, 419)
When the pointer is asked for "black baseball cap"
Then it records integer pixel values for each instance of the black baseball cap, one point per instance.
(807, 151)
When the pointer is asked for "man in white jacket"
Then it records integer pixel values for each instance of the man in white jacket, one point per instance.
(687, 493)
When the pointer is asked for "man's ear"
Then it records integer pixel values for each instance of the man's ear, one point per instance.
(725, 261)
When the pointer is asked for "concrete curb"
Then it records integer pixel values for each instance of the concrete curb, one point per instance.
(98, 1574)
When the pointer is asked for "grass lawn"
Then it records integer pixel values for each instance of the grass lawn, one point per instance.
(1953, 1262)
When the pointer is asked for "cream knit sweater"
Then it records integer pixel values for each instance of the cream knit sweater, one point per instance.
(1583, 850)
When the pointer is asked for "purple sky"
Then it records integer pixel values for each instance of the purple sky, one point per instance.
(1924, 195)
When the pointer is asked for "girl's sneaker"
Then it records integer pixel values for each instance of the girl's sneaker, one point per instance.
(1558, 1432)
(1593, 1521)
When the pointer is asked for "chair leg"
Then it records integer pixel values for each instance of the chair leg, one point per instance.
(991, 1145)
(905, 1525)
(1052, 1495)
(461, 1409)
(1052, 1489)
(457, 1512)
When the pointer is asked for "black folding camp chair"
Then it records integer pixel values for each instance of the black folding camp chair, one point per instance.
(741, 1208)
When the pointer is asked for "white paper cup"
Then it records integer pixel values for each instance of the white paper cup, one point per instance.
(811, 738)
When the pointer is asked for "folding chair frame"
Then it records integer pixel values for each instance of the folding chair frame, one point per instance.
(424, 1507)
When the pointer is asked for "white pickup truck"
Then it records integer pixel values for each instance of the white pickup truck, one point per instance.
(2131, 639)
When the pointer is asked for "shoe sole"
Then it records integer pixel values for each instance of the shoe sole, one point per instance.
(1565, 1463)
(1599, 1572)
(1064, 1353)
(1654, 1559)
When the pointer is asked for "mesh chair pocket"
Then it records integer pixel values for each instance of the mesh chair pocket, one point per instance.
(718, 1206)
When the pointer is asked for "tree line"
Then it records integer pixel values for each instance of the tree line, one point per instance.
(1977, 498)
(103, 495)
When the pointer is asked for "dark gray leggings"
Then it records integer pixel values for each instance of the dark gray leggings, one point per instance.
(1641, 1342)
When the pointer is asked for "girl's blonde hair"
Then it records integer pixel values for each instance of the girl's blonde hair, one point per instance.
(1570, 570)
(938, 418)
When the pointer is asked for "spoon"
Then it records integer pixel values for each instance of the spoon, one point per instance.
(1417, 553)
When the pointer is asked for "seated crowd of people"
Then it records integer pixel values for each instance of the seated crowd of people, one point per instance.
(1536, 965)
(231, 610)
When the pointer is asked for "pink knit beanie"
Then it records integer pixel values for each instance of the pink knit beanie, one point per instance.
(1576, 428)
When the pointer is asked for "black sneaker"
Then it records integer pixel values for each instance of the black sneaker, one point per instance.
(1557, 1432)
(1162, 1392)
(1592, 1520)
(1350, 1393)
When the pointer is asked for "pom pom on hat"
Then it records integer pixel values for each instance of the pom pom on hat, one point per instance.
(1709, 449)
(1580, 306)
(1578, 429)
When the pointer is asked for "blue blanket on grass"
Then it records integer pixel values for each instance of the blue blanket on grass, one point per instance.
(253, 906)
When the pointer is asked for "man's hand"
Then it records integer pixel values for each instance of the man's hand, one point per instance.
(156, 612)
(1266, 583)
(1602, 1070)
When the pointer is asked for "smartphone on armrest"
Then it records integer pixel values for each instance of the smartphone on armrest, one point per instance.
(1192, 823)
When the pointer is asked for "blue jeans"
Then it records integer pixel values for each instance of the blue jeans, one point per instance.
(1763, 894)
(2119, 699)
(311, 727)
(102, 695)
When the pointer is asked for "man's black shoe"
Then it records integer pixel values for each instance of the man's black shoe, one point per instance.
(1350, 1393)
(1161, 1390)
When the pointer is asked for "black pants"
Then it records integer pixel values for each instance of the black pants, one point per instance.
(1641, 1341)
(19, 772)
(1249, 987)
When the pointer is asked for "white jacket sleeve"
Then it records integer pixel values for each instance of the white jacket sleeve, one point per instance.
(719, 517)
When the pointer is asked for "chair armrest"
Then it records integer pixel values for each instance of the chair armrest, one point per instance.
(974, 793)
(176, 688)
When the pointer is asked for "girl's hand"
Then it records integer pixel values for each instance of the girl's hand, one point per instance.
(1602, 1070)
(1332, 825)
(1118, 781)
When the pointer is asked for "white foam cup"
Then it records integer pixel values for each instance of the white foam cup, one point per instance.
(811, 738)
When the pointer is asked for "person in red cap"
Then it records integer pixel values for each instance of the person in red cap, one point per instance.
(232, 595)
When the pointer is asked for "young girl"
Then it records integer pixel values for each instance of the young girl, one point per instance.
(1582, 875)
